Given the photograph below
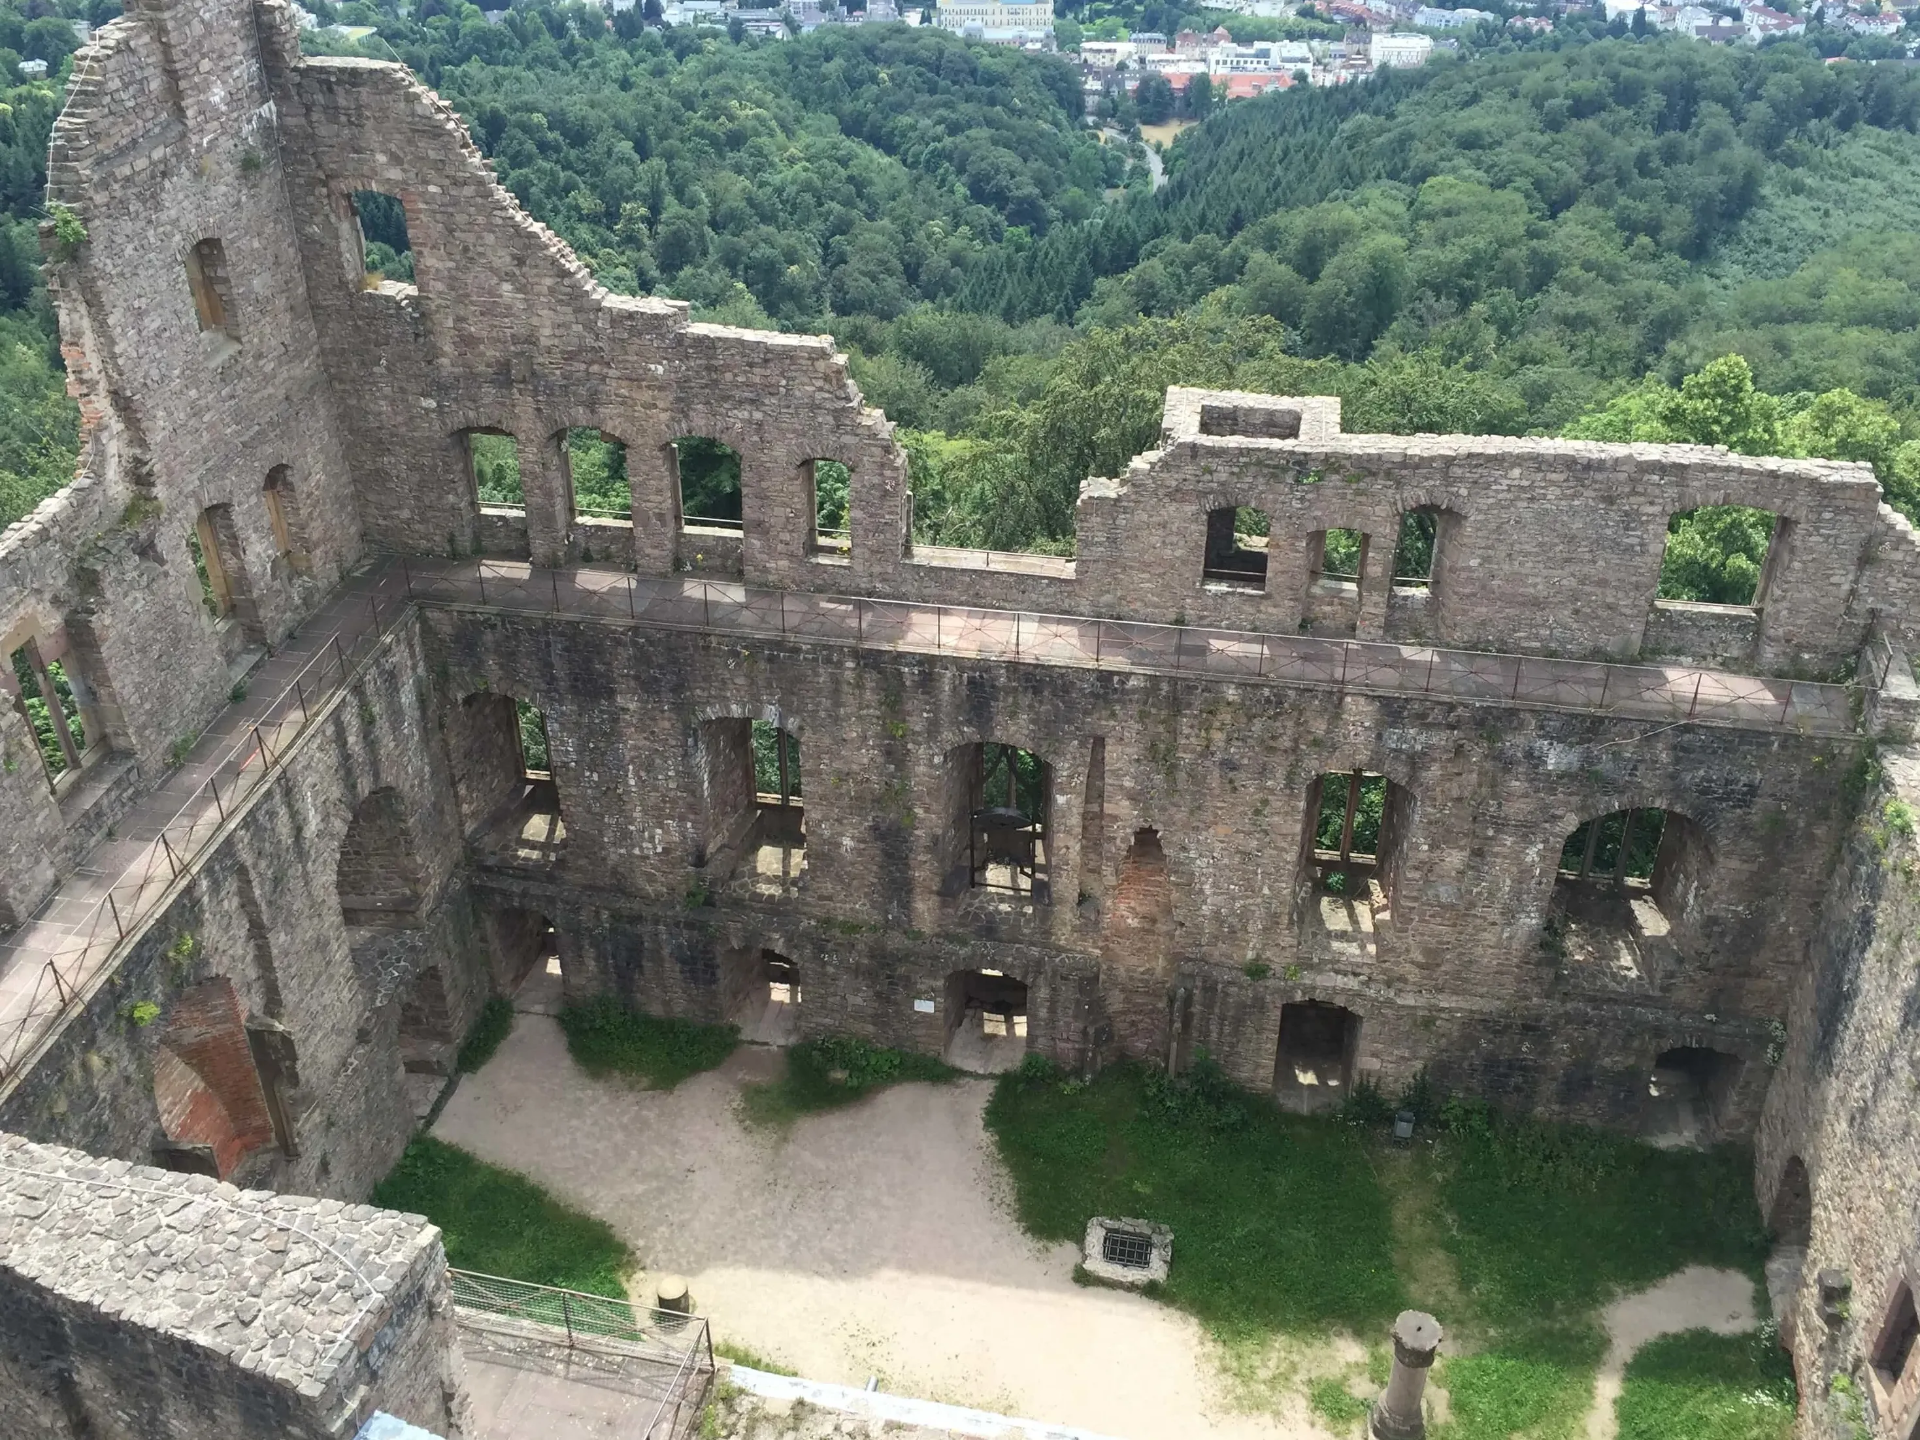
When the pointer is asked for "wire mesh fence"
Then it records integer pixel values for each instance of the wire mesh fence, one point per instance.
(1672, 693)
(663, 1358)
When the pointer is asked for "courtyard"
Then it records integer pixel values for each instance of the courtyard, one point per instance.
(890, 1243)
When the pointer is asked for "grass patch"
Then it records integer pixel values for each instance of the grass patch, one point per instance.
(1334, 1403)
(500, 1223)
(832, 1071)
(1278, 1221)
(1702, 1386)
(1539, 1384)
(741, 1355)
(493, 1025)
(606, 1038)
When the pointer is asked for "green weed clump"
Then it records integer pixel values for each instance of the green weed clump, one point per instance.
(1279, 1222)
(490, 1028)
(832, 1071)
(500, 1223)
(606, 1038)
(1335, 1404)
(1702, 1386)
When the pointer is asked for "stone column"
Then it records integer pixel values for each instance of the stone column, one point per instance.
(1398, 1413)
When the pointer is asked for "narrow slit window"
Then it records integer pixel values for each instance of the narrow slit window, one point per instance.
(386, 250)
(494, 459)
(212, 289)
(597, 471)
(832, 485)
(709, 483)
(279, 498)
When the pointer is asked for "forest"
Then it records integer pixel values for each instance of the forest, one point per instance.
(1605, 235)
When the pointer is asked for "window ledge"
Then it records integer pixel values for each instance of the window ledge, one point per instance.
(1010, 562)
(1704, 607)
(836, 559)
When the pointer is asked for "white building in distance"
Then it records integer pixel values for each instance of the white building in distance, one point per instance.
(1399, 50)
(1001, 21)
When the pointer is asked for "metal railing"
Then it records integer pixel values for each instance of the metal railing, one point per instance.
(668, 1355)
(1661, 693)
(143, 890)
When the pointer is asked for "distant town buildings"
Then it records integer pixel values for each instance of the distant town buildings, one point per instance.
(1397, 50)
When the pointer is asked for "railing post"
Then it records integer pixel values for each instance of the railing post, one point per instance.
(632, 614)
(706, 605)
(406, 574)
(340, 656)
(1786, 706)
(1698, 678)
(213, 784)
(480, 574)
(1346, 654)
(566, 1314)
(300, 693)
(114, 910)
(554, 577)
(1519, 665)
(1426, 685)
(260, 742)
(173, 865)
(1606, 679)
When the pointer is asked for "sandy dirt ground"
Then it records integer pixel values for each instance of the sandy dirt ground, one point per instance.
(1695, 1298)
(871, 1242)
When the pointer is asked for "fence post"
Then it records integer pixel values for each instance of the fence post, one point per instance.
(566, 1314)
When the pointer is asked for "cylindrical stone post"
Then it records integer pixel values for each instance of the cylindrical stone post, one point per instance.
(1398, 1414)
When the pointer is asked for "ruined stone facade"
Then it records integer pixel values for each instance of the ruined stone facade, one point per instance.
(988, 850)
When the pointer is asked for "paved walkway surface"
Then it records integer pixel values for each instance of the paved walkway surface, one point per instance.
(874, 1242)
(55, 954)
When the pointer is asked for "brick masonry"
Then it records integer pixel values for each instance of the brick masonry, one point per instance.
(366, 902)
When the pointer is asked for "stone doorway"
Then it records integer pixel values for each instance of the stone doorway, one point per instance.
(761, 992)
(986, 1022)
(1313, 1069)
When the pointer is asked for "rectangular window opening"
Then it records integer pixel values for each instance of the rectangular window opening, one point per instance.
(597, 471)
(386, 250)
(709, 483)
(47, 701)
(212, 289)
(1237, 541)
(1341, 554)
(1008, 846)
(1722, 554)
(1413, 555)
(494, 459)
(1897, 1338)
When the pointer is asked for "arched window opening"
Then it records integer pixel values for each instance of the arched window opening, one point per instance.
(1413, 554)
(503, 776)
(1313, 1065)
(986, 1021)
(386, 249)
(379, 877)
(1628, 894)
(1689, 1096)
(53, 700)
(1723, 555)
(760, 992)
(1237, 538)
(213, 1110)
(283, 512)
(1006, 791)
(212, 290)
(756, 821)
(493, 465)
(831, 485)
(597, 476)
(709, 479)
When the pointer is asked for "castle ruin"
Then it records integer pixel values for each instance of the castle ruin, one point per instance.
(1504, 818)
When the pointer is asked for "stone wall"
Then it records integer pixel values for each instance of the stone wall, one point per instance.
(263, 912)
(1838, 1170)
(138, 1304)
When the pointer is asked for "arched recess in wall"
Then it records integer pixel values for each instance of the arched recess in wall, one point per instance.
(1641, 874)
(213, 1110)
(284, 517)
(220, 565)
(380, 880)
(1790, 1217)
(600, 492)
(1149, 1021)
